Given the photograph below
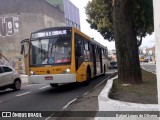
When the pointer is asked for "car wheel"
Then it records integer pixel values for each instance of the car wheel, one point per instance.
(17, 85)
(54, 85)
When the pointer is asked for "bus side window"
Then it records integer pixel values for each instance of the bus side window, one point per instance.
(79, 45)
(91, 51)
(79, 48)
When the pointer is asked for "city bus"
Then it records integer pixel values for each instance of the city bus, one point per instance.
(61, 55)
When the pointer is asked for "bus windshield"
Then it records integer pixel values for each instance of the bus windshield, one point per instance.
(50, 51)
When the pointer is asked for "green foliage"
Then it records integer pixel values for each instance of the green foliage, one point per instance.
(99, 16)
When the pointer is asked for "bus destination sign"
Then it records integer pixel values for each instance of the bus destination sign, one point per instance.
(49, 33)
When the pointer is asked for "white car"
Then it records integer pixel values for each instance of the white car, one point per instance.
(9, 78)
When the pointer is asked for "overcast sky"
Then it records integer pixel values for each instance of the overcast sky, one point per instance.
(85, 27)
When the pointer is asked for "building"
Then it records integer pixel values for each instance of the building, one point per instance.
(151, 54)
(112, 55)
(18, 18)
(71, 12)
(147, 54)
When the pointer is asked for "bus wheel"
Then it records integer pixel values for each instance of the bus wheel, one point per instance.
(104, 72)
(87, 82)
(54, 85)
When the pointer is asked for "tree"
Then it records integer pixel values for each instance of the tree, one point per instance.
(100, 17)
(124, 21)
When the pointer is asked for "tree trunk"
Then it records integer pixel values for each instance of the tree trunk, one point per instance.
(126, 43)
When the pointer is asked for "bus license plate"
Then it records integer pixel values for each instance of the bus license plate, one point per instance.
(48, 78)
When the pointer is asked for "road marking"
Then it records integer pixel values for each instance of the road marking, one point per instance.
(44, 87)
(86, 93)
(50, 116)
(63, 107)
(31, 84)
(69, 103)
(23, 94)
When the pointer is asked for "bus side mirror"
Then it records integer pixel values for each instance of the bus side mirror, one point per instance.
(24, 46)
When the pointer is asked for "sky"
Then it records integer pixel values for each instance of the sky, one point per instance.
(85, 28)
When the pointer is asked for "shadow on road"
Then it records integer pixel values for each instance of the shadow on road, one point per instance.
(73, 86)
(7, 91)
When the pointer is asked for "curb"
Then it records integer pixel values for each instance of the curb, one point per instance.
(148, 70)
(107, 104)
(24, 79)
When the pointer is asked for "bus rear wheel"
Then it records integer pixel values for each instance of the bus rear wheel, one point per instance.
(87, 82)
(54, 85)
(104, 72)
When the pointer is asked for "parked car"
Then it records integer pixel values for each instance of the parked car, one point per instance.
(113, 64)
(146, 60)
(9, 78)
(143, 59)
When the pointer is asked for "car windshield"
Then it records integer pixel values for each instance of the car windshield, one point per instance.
(50, 51)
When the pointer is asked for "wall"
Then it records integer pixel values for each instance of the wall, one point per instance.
(71, 14)
(58, 3)
(18, 18)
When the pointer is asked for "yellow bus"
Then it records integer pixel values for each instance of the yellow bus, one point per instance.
(61, 55)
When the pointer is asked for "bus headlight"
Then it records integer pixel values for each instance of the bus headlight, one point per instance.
(31, 72)
(67, 71)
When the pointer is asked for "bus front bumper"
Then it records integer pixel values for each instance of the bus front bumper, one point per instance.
(51, 79)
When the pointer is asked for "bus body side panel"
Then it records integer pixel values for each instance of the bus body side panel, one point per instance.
(82, 71)
(82, 68)
(105, 64)
(73, 66)
(98, 68)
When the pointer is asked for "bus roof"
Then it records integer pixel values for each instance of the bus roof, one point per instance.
(52, 28)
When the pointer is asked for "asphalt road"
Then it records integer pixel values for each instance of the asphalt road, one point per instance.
(149, 67)
(43, 97)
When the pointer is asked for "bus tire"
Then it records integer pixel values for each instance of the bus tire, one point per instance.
(87, 82)
(104, 70)
(54, 85)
